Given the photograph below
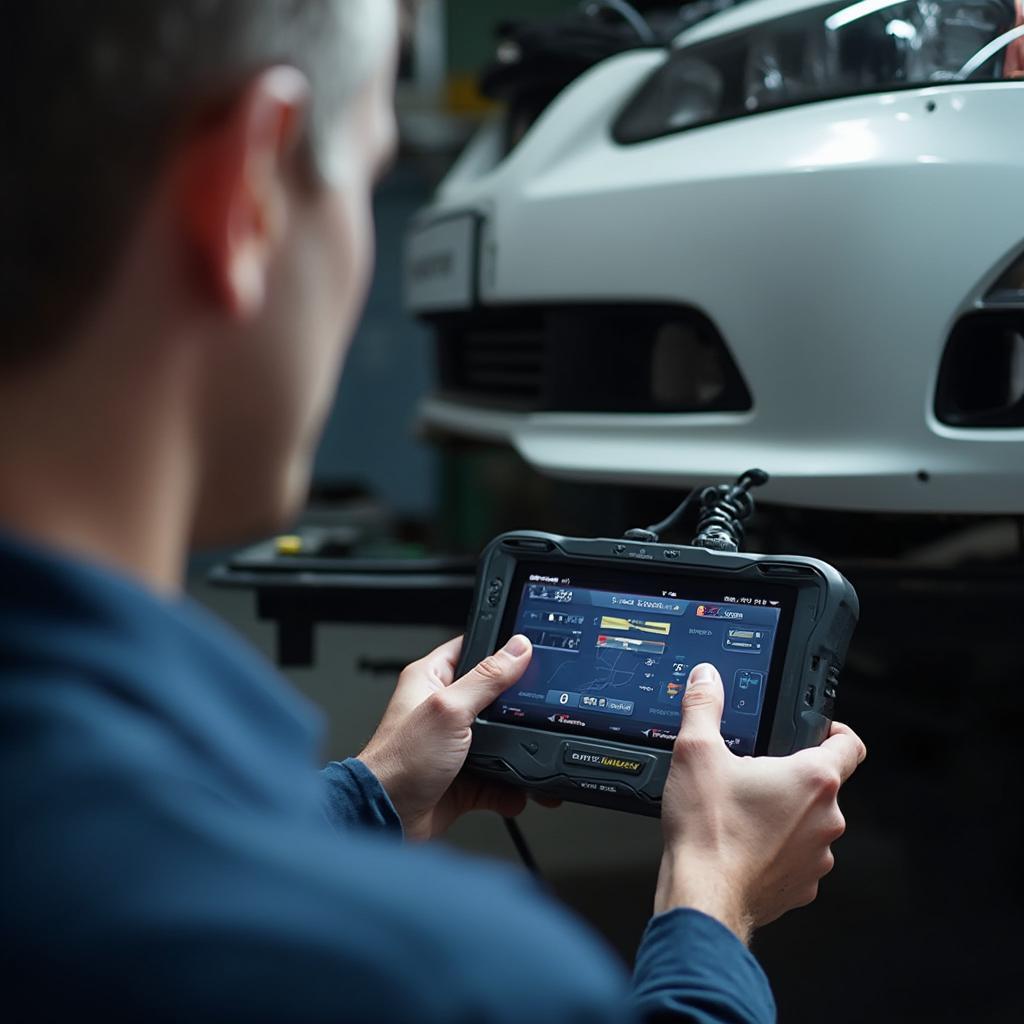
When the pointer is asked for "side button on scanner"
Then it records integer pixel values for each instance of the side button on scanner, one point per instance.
(832, 680)
(494, 590)
(831, 686)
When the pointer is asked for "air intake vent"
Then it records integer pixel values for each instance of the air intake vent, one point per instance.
(621, 358)
(981, 379)
(502, 361)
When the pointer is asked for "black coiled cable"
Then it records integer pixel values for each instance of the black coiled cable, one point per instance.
(723, 510)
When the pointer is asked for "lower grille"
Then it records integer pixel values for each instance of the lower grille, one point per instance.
(607, 358)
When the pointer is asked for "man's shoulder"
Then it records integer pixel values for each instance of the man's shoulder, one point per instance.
(60, 721)
(122, 847)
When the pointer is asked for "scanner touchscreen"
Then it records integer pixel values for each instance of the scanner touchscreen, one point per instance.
(612, 662)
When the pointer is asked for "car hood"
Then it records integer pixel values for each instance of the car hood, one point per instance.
(744, 15)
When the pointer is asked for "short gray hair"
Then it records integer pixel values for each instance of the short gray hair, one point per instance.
(101, 89)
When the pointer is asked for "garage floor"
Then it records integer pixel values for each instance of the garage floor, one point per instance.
(921, 918)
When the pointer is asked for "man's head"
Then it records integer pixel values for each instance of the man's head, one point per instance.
(196, 175)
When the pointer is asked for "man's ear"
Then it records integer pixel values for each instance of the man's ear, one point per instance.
(235, 184)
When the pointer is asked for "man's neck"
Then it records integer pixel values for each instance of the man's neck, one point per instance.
(95, 458)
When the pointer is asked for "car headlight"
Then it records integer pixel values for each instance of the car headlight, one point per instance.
(840, 49)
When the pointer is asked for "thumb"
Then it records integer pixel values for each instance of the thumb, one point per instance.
(702, 704)
(492, 677)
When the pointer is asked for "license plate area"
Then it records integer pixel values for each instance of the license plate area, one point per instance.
(441, 265)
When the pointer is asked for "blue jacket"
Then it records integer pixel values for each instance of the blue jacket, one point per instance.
(170, 851)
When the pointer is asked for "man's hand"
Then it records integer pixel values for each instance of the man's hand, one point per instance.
(747, 839)
(423, 739)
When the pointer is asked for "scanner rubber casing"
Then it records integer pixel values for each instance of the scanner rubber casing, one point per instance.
(825, 614)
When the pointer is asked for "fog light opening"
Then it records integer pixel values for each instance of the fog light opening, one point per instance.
(981, 379)
(687, 369)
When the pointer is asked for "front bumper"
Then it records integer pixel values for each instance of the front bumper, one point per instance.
(834, 247)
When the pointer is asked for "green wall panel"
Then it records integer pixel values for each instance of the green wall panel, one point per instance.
(471, 27)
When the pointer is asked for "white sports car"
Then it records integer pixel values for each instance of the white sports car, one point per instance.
(792, 239)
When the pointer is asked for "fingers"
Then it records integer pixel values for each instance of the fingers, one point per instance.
(545, 801)
(491, 678)
(507, 802)
(441, 661)
(468, 794)
(844, 748)
(702, 706)
(840, 727)
(830, 765)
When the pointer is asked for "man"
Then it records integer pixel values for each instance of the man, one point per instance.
(188, 239)
(1014, 67)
